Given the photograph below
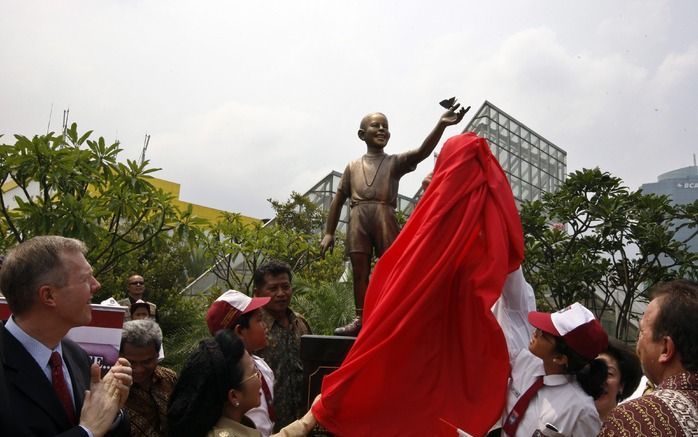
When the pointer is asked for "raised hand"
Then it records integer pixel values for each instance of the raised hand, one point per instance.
(101, 404)
(120, 373)
(453, 115)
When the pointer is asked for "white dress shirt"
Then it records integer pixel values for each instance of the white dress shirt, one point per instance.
(561, 401)
(260, 415)
(40, 353)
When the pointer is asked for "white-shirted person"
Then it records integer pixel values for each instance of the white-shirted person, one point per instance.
(555, 375)
(240, 313)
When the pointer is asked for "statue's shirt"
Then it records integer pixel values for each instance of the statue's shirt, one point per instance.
(375, 178)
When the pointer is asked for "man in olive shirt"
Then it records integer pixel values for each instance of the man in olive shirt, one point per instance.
(286, 327)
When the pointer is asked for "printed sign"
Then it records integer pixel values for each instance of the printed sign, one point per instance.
(100, 339)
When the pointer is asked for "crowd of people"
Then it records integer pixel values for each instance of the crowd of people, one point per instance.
(266, 398)
(567, 377)
(49, 386)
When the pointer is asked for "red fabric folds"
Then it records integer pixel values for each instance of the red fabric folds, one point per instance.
(430, 348)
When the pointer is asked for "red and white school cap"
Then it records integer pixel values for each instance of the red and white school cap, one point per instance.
(577, 327)
(227, 309)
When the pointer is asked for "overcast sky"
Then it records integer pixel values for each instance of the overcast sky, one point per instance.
(250, 100)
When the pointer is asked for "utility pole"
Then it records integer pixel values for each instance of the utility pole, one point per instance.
(66, 112)
(145, 147)
(50, 113)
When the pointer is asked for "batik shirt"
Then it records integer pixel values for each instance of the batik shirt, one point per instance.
(670, 410)
(147, 408)
(283, 354)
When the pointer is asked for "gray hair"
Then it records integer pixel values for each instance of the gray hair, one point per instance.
(141, 333)
(33, 263)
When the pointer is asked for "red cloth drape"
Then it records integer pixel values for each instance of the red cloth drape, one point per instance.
(430, 347)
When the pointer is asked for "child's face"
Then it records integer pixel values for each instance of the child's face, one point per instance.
(374, 130)
(140, 314)
(255, 337)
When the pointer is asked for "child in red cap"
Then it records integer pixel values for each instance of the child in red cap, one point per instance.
(240, 313)
(554, 380)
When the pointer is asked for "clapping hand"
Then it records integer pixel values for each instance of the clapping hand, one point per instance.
(105, 397)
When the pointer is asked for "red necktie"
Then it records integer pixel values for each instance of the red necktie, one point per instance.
(267, 397)
(58, 380)
(514, 418)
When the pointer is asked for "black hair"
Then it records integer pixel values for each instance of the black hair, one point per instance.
(273, 268)
(210, 372)
(137, 305)
(591, 374)
(676, 318)
(628, 366)
(244, 320)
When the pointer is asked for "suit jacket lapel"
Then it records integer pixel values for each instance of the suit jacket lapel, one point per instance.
(24, 373)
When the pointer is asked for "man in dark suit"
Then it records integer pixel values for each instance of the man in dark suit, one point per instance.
(49, 387)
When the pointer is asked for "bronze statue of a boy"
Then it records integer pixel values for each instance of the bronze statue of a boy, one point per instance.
(371, 182)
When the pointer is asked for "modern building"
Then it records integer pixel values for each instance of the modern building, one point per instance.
(533, 164)
(681, 185)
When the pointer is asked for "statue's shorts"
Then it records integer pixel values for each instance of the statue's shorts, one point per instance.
(372, 225)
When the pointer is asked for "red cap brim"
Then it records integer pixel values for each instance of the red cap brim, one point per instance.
(256, 302)
(543, 321)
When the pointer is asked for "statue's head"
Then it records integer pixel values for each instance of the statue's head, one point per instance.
(374, 131)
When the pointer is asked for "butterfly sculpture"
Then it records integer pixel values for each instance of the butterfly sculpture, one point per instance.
(448, 103)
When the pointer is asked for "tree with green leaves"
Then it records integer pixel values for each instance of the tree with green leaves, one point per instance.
(240, 246)
(598, 242)
(74, 186)
(293, 236)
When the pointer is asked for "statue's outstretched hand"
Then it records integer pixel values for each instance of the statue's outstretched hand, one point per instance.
(327, 243)
(454, 115)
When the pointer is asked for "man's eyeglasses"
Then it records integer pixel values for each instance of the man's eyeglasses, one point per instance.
(136, 283)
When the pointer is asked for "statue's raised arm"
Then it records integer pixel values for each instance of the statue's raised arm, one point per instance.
(371, 183)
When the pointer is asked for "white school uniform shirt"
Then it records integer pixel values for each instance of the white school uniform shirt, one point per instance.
(260, 415)
(561, 401)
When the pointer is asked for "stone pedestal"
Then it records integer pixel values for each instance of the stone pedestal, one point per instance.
(321, 355)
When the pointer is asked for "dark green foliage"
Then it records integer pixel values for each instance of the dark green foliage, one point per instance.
(73, 186)
(294, 237)
(325, 305)
(239, 247)
(76, 187)
(597, 242)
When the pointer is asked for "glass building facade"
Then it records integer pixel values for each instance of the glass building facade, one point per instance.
(681, 185)
(533, 164)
